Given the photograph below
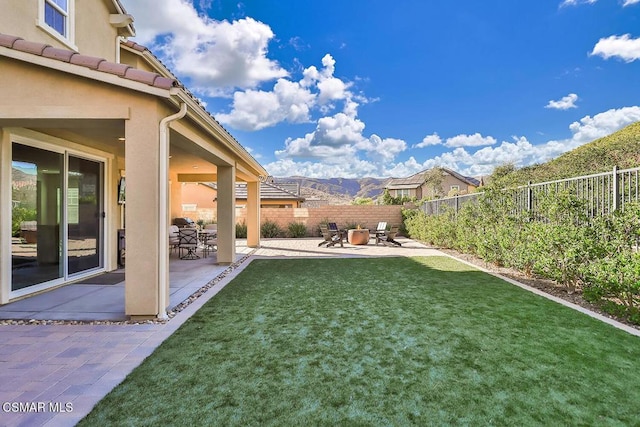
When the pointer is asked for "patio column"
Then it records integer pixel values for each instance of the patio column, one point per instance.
(226, 214)
(175, 196)
(142, 213)
(5, 216)
(253, 214)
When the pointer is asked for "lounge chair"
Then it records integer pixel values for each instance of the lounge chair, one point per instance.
(331, 235)
(388, 237)
(381, 228)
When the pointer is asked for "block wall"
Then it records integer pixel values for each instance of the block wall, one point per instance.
(367, 216)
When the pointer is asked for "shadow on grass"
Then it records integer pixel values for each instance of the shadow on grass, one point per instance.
(385, 341)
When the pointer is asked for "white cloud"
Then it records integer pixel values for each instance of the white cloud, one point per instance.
(290, 101)
(474, 140)
(630, 2)
(576, 2)
(623, 47)
(428, 140)
(255, 110)
(216, 55)
(565, 103)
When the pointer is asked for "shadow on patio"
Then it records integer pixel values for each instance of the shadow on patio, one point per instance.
(101, 298)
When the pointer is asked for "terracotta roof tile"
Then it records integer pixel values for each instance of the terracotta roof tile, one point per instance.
(113, 68)
(7, 40)
(95, 63)
(165, 82)
(29, 47)
(141, 76)
(59, 54)
(134, 45)
(86, 61)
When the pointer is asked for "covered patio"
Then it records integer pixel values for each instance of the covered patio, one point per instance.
(101, 297)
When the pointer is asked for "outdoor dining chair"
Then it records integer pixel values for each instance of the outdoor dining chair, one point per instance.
(188, 242)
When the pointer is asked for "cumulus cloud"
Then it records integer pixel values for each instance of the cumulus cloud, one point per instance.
(217, 56)
(475, 140)
(623, 47)
(257, 109)
(521, 152)
(565, 103)
(291, 101)
(429, 140)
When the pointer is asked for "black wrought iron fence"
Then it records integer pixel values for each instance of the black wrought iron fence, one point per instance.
(601, 193)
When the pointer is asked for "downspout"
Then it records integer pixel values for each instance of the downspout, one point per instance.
(118, 41)
(163, 219)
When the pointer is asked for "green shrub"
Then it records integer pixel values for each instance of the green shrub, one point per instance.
(269, 229)
(297, 229)
(241, 230)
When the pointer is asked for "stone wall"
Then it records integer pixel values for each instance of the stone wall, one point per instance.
(367, 216)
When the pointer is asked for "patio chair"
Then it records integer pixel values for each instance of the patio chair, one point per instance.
(388, 237)
(337, 234)
(381, 228)
(174, 238)
(330, 237)
(188, 242)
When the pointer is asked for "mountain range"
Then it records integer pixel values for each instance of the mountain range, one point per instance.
(336, 190)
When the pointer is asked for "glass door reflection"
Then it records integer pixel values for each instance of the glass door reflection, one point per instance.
(36, 243)
(84, 215)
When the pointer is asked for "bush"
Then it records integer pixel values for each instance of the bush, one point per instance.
(241, 230)
(269, 229)
(297, 229)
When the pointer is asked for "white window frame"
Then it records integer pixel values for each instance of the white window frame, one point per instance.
(455, 187)
(67, 148)
(67, 39)
(403, 192)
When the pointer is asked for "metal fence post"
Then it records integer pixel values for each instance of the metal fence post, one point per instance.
(616, 189)
(529, 198)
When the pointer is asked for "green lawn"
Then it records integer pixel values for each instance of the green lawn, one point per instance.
(386, 341)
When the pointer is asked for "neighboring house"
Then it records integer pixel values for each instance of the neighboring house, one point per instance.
(420, 186)
(199, 200)
(272, 195)
(80, 109)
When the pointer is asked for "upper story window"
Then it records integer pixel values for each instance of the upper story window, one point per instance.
(56, 15)
(57, 18)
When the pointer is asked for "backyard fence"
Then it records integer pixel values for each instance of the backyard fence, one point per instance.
(602, 193)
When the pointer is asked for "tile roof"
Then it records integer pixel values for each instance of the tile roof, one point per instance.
(267, 191)
(417, 179)
(99, 64)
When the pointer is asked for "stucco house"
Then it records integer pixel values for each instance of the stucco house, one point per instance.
(200, 200)
(81, 108)
(448, 182)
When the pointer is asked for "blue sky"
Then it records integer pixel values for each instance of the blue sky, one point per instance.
(355, 88)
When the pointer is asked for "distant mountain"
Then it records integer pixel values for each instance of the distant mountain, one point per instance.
(338, 190)
(621, 148)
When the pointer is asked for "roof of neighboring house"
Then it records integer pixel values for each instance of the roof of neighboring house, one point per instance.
(469, 180)
(268, 191)
(417, 179)
(99, 64)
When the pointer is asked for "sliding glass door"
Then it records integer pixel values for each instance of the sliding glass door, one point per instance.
(84, 214)
(57, 216)
(37, 183)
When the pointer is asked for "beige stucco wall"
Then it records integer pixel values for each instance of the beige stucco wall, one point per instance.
(94, 35)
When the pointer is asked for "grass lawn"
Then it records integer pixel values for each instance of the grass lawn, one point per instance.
(386, 341)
